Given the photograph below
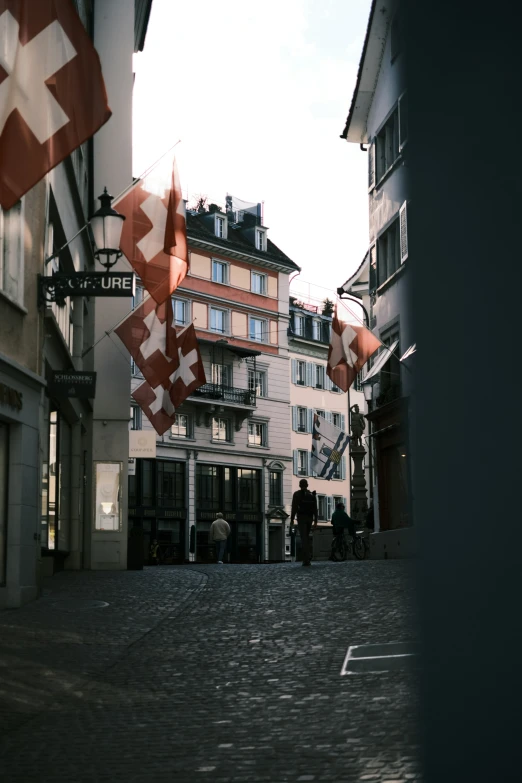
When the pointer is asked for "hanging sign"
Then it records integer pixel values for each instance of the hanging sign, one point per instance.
(142, 443)
(72, 384)
(57, 287)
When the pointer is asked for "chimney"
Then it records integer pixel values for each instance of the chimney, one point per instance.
(213, 208)
(249, 220)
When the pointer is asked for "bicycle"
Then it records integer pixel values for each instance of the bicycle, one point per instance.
(340, 546)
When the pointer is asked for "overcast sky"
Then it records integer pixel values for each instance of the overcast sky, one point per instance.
(258, 93)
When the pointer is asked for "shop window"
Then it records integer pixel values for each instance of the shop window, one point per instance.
(276, 488)
(248, 489)
(170, 484)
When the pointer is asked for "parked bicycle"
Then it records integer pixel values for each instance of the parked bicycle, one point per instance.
(340, 546)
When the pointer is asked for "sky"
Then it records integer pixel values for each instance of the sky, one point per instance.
(258, 94)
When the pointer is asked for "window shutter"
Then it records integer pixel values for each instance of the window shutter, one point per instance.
(294, 370)
(294, 418)
(308, 463)
(403, 223)
(403, 120)
(310, 415)
(343, 467)
(328, 416)
(343, 421)
(328, 504)
(295, 461)
(373, 268)
(327, 382)
(309, 374)
(371, 165)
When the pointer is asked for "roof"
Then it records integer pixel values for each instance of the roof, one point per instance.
(368, 72)
(236, 241)
(141, 22)
(356, 277)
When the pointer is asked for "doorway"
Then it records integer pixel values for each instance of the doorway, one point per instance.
(275, 543)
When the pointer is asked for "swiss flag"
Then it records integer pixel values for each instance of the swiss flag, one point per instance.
(351, 345)
(156, 405)
(154, 236)
(149, 335)
(52, 94)
(190, 374)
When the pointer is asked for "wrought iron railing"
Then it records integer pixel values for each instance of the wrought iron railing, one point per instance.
(215, 391)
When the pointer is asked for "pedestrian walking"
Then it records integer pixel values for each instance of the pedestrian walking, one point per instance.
(154, 553)
(219, 532)
(304, 507)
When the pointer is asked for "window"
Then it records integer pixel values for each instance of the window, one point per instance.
(299, 325)
(221, 374)
(170, 483)
(257, 382)
(321, 506)
(221, 430)
(335, 388)
(257, 434)
(319, 376)
(135, 415)
(179, 308)
(220, 272)
(260, 240)
(302, 463)
(276, 488)
(316, 329)
(387, 145)
(207, 484)
(258, 283)
(301, 373)
(338, 499)
(388, 253)
(180, 428)
(218, 320)
(340, 470)
(220, 228)
(302, 419)
(248, 489)
(390, 376)
(12, 253)
(257, 329)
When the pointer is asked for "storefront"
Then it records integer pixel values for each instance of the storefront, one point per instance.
(236, 492)
(157, 507)
(4, 445)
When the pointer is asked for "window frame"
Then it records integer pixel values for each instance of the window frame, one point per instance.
(263, 277)
(273, 501)
(263, 425)
(264, 384)
(317, 324)
(220, 220)
(322, 369)
(260, 240)
(5, 240)
(188, 428)
(226, 319)
(298, 363)
(177, 301)
(228, 430)
(136, 418)
(226, 271)
(387, 145)
(299, 319)
(299, 453)
(383, 251)
(264, 329)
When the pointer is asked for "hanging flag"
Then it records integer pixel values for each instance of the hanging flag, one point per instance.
(328, 445)
(156, 405)
(351, 345)
(154, 236)
(52, 94)
(190, 374)
(149, 335)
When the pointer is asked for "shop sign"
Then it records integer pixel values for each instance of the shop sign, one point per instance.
(57, 287)
(72, 384)
(142, 444)
(10, 397)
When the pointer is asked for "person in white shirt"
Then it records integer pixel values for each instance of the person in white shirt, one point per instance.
(219, 532)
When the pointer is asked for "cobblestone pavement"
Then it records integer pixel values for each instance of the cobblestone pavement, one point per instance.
(209, 673)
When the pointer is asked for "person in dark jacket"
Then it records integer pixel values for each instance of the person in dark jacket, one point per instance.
(340, 519)
(304, 506)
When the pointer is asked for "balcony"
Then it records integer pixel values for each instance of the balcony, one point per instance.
(225, 395)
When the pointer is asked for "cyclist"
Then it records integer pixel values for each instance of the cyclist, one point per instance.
(341, 520)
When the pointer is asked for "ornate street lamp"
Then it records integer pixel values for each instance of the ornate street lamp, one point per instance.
(107, 225)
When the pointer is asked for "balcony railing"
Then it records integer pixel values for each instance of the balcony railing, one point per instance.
(215, 391)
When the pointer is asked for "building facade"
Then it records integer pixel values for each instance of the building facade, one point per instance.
(229, 449)
(46, 439)
(312, 391)
(378, 118)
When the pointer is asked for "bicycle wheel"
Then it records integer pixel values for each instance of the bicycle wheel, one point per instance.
(359, 548)
(339, 549)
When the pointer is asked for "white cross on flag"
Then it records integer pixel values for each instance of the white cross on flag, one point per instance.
(149, 335)
(52, 94)
(351, 345)
(159, 404)
(154, 236)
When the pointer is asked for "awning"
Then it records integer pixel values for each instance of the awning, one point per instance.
(381, 361)
(411, 350)
(242, 352)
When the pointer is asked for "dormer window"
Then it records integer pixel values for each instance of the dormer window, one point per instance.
(260, 239)
(220, 227)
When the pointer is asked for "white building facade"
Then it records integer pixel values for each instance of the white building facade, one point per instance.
(229, 449)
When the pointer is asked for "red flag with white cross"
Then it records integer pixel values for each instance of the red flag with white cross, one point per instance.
(154, 235)
(351, 345)
(156, 405)
(149, 335)
(190, 374)
(52, 93)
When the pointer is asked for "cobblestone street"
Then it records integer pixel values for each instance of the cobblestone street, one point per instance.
(211, 673)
